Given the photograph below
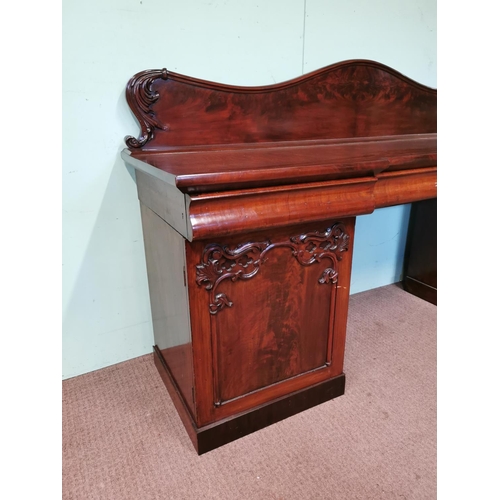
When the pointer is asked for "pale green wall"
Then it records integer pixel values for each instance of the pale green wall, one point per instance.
(106, 317)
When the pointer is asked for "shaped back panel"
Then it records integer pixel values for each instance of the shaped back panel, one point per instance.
(345, 100)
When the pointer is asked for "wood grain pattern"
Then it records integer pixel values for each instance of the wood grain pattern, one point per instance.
(175, 394)
(268, 329)
(279, 326)
(222, 262)
(273, 164)
(235, 212)
(395, 188)
(249, 197)
(281, 334)
(211, 436)
(348, 99)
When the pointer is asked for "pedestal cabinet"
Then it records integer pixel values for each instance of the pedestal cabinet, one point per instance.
(248, 198)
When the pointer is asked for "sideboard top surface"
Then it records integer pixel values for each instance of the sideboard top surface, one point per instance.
(340, 141)
(271, 164)
(350, 119)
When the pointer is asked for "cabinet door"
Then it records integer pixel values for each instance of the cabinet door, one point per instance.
(270, 310)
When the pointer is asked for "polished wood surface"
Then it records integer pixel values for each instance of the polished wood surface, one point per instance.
(165, 255)
(235, 212)
(349, 99)
(341, 141)
(249, 197)
(263, 321)
(212, 436)
(272, 164)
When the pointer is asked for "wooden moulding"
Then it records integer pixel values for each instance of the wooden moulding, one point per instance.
(405, 186)
(236, 212)
(249, 197)
(231, 167)
(232, 212)
(357, 98)
(212, 436)
(340, 141)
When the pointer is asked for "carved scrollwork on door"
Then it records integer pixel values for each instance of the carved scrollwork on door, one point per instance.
(221, 262)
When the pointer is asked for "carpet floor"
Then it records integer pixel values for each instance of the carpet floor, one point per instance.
(122, 437)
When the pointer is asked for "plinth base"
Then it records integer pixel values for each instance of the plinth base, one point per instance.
(212, 436)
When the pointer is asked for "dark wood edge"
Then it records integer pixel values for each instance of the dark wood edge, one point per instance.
(175, 395)
(299, 143)
(220, 433)
(212, 436)
(411, 285)
(165, 74)
(421, 290)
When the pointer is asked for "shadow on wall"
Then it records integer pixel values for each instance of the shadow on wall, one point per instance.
(379, 247)
(108, 318)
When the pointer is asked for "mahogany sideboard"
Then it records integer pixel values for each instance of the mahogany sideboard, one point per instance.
(248, 198)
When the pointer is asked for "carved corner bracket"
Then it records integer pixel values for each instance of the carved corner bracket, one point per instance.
(140, 97)
(221, 262)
